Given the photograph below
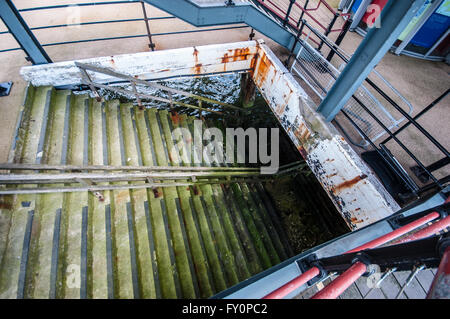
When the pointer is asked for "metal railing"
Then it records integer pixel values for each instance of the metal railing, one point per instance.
(145, 18)
(291, 13)
(370, 111)
(86, 79)
(393, 257)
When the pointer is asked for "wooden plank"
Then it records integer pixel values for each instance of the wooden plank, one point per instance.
(6, 212)
(33, 129)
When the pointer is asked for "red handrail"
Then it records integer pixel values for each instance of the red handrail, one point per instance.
(341, 283)
(306, 276)
(346, 279)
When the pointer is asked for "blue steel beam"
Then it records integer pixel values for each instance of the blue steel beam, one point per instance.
(394, 18)
(218, 13)
(22, 33)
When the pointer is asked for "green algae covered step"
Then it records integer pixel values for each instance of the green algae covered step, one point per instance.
(173, 242)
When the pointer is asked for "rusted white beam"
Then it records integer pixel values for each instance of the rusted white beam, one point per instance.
(201, 60)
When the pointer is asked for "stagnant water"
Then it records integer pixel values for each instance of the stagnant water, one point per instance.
(307, 214)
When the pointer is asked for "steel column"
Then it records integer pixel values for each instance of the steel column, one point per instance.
(394, 18)
(22, 33)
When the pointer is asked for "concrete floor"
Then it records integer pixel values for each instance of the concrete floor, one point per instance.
(419, 81)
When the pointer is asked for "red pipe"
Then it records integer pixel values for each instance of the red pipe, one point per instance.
(440, 288)
(427, 232)
(396, 233)
(341, 283)
(299, 281)
(293, 284)
(338, 286)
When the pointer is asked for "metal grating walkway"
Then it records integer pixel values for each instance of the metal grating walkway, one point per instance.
(171, 242)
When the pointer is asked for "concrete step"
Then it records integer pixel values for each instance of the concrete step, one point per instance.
(172, 242)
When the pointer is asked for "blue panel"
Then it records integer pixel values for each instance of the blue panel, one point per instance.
(431, 31)
(356, 5)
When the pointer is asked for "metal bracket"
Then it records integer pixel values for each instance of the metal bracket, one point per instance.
(401, 220)
(5, 88)
(307, 263)
(87, 182)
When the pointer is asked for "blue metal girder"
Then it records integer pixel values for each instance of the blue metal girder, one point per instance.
(22, 33)
(220, 14)
(394, 18)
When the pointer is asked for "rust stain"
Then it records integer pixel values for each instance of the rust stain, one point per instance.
(331, 175)
(198, 68)
(175, 117)
(122, 196)
(157, 192)
(195, 55)
(253, 64)
(355, 220)
(5, 205)
(263, 70)
(303, 152)
(348, 184)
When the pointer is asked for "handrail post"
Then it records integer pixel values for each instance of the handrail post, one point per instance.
(395, 17)
(340, 38)
(328, 30)
(147, 26)
(286, 19)
(22, 34)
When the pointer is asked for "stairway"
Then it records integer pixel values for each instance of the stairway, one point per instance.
(171, 242)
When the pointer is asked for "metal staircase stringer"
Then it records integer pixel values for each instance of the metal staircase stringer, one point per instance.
(218, 13)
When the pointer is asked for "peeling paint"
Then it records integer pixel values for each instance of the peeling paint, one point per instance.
(356, 192)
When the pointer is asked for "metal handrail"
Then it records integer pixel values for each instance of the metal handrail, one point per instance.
(145, 19)
(86, 79)
(313, 272)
